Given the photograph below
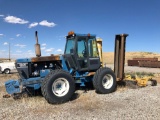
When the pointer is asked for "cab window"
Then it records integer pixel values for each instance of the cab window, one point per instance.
(69, 46)
(81, 48)
(92, 48)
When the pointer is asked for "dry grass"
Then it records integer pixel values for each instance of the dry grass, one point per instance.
(108, 57)
(5, 77)
(26, 108)
(33, 107)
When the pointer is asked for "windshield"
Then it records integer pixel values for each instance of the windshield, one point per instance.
(69, 46)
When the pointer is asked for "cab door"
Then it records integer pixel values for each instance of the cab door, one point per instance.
(87, 53)
(94, 59)
(82, 53)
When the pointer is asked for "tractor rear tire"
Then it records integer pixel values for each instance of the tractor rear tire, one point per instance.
(104, 81)
(58, 87)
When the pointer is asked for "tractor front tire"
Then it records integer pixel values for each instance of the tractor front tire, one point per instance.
(58, 87)
(104, 81)
(42, 85)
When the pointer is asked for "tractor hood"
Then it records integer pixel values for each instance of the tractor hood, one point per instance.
(38, 59)
(45, 58)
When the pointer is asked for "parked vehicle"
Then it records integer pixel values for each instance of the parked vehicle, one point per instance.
(7, 67)
(57, 75)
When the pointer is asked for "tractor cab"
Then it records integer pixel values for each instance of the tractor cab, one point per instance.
(81, 52)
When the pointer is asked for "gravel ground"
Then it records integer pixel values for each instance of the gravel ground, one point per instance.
(137, 69)
(124, 104)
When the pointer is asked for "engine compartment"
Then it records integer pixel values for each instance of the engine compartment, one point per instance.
(32, 69)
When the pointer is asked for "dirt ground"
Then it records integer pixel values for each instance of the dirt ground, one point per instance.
(125, 103)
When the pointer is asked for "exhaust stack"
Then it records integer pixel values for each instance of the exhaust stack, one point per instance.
(37, 46)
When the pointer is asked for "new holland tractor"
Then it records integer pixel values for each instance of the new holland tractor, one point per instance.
(57, 75)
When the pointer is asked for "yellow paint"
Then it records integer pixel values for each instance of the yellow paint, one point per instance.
(99, 45)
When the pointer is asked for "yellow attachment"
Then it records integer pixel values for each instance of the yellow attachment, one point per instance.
(142, 82)
(99, 45)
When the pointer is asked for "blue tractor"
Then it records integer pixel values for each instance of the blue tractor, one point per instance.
(57, 75)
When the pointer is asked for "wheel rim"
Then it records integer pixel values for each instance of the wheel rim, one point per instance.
(7, 71)
(60, 87)
(107, 81)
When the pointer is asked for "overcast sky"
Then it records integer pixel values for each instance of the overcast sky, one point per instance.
(53, 19)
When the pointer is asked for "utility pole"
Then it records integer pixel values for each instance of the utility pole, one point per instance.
(9, 51)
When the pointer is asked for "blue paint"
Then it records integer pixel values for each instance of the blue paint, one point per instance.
(83, 80)
(34, 82)
(43, 73)
(71, 71)
(85, 35)
(59, 86)
(22, 60)
(12, 86)
(29, 80)
(37, 86)
(64, 66)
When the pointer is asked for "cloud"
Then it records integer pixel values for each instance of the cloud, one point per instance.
(1, 15)
(18, 35)
(29, 51)
(1, 35)
(47, 24)
(20, 45)
(18, 51)
(44, 44)
(43, 48)
(5, 43)
(15, 20)
(49, 50)
(34, 24)
(59, 50)
(11, 38)
(1, 51)
(42, 23)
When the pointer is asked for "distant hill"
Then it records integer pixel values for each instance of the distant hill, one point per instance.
(4, 60)
(108, 57)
